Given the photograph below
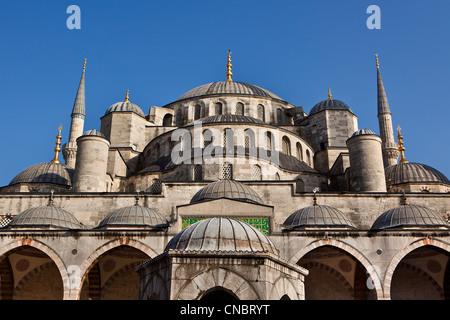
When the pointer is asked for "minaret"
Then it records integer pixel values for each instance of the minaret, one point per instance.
(389, 147)
(77, 123)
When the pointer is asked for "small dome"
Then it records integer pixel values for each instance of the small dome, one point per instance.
(411, 172)
(48, 172)
(45, 217)
(330, 104)
(409, 216)
(94, 133)
(125, 106)
(221, 234)
(226, 188)
(228, 118)
(318, 216)
(224, 87)
(134, 216)
(362, 132)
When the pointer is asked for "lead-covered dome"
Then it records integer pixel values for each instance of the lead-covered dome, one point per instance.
(125, 106)
(229, 189)
(409, 216)
(48, 172)
(221, 234)
(228, 87)
(48, 217)
(330, 104)
(318, 216)
(134, 217)
(411, 172)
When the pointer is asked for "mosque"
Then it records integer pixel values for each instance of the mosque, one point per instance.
(227, 193)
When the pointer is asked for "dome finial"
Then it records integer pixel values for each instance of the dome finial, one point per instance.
(315, 198)
(329, 94)
(58, 143)
(229, 65)
(401, 149)
(127, 98)
(376, 58)
(137, 197)
(50, 200)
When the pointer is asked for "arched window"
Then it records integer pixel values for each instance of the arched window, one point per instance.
(269, 141)
(227, 171)
(299, 151)
(179, 117)
(167, 120)
(256, 172)
(286, 146)
(277, 176)
(279, 116)
(156, 187)
(240, 109)
(260, 114)
(198, 173)
(299, 185)
(207, 138)
(308, 158)
(197, 112)
(218, 108)
(228, 138)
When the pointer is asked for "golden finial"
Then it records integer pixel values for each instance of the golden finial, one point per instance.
(127, 98)
(329, 94)
(376, 58)
(84, 65)
(401, 149)
(229, 65)
(58, 143)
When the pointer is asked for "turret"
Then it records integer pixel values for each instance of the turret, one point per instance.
(77, 124)
(91, 163)
(366, 162)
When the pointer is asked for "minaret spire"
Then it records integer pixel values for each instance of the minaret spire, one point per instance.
(77, 124)
(389, 147)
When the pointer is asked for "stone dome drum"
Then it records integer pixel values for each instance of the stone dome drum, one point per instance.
(228, 87)
(134, 217)
(221, 234)
(318, 216)
(48, 172)
(45, 217)
(226, 188)
(409, 216)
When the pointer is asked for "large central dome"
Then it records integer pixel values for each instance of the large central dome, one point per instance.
(228, 87)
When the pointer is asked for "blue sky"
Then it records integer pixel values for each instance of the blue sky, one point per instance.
(159, 49)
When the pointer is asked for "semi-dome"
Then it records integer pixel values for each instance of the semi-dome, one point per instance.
(134, 217)
(48, 172)
(45, 217)
(330, 104)
(229, 118)
(318, 216)
(409, 216)
(229, 189)
(228, 87)
(221, 234)
(411, 172)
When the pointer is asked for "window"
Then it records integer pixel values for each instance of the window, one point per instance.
(240, 109)
(256, 172)
(218, 108)
(286, 146)
(279, 116)
(156, 187)
(308, 158)
(179, 117)
(299, 151)
(269, 140)
(197, 112)
(198, 173)
(299, 185)
(207, 138)
(167, 120)
(227, 171)
(260, 112)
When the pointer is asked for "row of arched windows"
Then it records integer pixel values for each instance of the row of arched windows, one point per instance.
(227, 172)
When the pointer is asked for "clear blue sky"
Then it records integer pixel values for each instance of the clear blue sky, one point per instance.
(159, 49)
